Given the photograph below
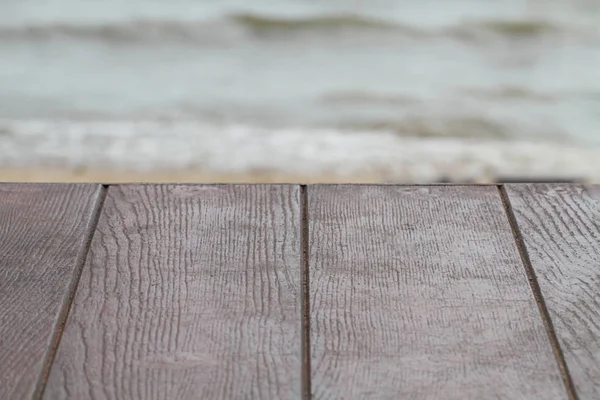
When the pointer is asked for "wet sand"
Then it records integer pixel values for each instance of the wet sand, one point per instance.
(175, 176)
(190, 176)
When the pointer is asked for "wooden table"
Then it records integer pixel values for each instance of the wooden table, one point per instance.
(292, 291)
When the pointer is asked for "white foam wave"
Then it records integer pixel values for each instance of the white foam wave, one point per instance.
(159, 145)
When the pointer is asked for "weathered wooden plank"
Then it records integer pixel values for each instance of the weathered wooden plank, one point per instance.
(43, 233)
(419, 292)
(189, 292)
(560, 226)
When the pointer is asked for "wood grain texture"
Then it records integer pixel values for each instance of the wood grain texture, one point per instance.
(189, 292)
(420, 293)
(43, 232)
(560, 226)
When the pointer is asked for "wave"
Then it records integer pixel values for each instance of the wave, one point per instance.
(456, 127)
(191, 145)
(262, 23)
(265, 26)
(507, 29)
(153, 30)
(517, 93)
(359, 98)
(127, 31)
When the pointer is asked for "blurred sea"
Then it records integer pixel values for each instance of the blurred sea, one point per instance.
(404, 90)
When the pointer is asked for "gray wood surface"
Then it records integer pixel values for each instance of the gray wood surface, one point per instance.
(420, 293)
(43, 233)
(560, 226)
(189, 292)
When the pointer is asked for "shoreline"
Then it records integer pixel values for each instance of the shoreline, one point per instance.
(144, 152)
(113, 176)
(149, 151)
(108, 176)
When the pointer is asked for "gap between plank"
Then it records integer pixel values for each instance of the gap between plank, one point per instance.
(537, 294)
(66, 307)
(305, 296)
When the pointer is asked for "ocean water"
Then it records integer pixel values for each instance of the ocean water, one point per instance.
(410, 90)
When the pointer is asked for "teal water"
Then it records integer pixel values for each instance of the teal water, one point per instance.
(497, 71)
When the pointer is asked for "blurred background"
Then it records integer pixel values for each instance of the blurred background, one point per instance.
(299, 90)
